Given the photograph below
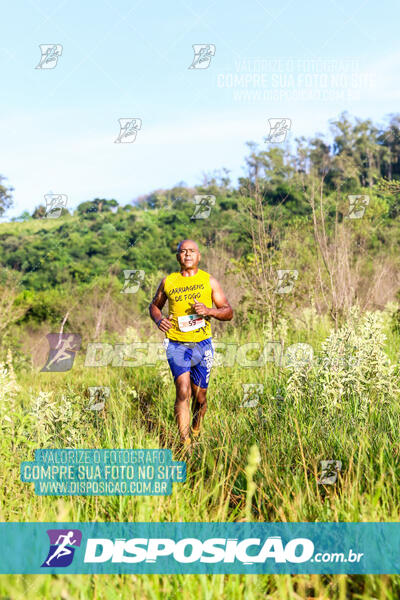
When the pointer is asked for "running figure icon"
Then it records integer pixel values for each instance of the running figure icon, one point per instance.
(62, 549)
(63, 544)
(63, 348)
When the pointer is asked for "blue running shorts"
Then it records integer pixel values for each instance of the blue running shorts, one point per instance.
(193, 357)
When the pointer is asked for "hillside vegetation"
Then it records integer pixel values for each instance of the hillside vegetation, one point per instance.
(258, 462)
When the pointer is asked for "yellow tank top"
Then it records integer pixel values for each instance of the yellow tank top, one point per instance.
(182, 292)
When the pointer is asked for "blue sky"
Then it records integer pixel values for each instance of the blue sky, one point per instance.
(303, 61)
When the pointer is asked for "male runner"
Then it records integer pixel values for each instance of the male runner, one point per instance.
(190, 294)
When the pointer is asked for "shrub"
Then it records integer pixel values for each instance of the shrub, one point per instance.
(352, 365)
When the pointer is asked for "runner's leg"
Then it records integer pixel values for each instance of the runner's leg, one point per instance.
(179, 357)
(199, 405)
(182, 404)
(202, 360)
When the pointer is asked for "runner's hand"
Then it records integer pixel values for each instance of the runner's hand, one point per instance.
(201, 309)
(165, 324)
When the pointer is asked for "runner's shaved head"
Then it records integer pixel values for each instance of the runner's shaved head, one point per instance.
(188, 241)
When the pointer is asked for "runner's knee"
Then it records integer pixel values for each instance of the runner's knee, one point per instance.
(202, 398)
(182, 393)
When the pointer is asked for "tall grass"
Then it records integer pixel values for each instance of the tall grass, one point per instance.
(260, 463)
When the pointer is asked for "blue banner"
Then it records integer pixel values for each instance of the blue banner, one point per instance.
(248, 548)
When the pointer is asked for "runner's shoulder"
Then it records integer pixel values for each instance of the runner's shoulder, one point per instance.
(169, 277)
(213, 281)
(170, 281)
(161, 285)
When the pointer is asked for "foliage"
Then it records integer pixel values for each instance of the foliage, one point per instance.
(5, 196)
(243, 468)
(8, 391)
(257, 462)
(352, 362)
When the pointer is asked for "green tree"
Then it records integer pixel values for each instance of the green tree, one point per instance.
(367, 151)
(390, 144)
(39, 212)
(97, 205)
(6, 200)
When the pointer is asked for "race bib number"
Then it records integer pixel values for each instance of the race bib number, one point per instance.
(191, 322)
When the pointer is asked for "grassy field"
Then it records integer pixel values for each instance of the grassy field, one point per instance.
(342, 406)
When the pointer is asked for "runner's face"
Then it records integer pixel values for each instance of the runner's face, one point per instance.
(188, 255)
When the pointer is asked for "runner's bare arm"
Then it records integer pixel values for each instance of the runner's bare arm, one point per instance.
(156, 306)
(223, 312)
